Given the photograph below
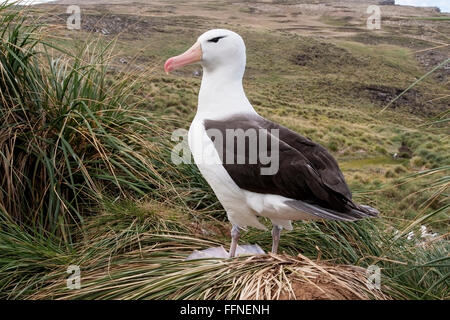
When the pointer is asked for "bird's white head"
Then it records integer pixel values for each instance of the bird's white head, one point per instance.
(221, 53)
(216, 50)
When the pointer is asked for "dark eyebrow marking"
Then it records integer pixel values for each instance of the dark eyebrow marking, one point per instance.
(216, 39)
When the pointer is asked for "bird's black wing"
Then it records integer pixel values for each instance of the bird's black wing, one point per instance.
(319, 158)
(306, 173)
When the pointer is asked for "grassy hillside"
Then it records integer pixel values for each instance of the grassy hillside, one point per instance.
(86, 176)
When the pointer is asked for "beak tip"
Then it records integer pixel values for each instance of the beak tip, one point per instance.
(192, 55)
(167, 66)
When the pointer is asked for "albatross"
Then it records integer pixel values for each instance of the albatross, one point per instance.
(288, 177)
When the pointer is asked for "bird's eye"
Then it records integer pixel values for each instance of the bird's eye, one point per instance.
(216, 39)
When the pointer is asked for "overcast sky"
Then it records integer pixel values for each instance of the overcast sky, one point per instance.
(444, 5)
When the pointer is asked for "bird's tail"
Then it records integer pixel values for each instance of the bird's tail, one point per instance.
(369, 210)
(354, 212)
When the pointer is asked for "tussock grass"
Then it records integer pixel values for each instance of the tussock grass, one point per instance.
(67, 137)
(265, 277)
(144, 259)
(134, 262)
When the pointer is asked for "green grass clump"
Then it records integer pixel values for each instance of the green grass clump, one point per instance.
(68, 137)
(390, 174)
(416, 161)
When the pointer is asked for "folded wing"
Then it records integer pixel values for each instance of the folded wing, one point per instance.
(307, 173)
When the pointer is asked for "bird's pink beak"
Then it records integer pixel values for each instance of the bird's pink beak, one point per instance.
(192, 55)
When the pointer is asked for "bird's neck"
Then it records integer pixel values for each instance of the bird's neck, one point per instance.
(222, 94)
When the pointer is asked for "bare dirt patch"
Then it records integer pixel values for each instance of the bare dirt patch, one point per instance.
(134, 26)
(321, 288)
(313, 53)
(431, 58)
(413, 100)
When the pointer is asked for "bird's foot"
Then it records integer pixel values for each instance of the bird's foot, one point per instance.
(215, 252)
(220, 252)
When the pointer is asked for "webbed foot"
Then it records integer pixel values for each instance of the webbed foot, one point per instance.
(220, 252)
